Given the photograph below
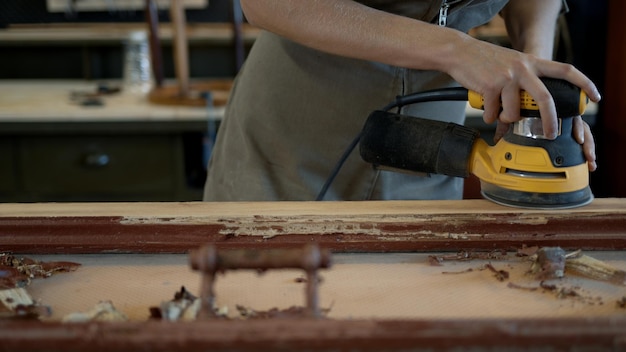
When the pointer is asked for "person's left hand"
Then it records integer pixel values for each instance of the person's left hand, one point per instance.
(582, 135)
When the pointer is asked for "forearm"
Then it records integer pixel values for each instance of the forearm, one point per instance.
(347, 28)
(531, 25)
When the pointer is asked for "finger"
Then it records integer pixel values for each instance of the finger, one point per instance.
(534, 87)
(545, 103)
(589, 148)
(501, 129)
(510, 104)
(571, 74)
(491, 107)
(578, 129)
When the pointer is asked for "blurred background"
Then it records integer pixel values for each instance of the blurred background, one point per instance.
(70, 129)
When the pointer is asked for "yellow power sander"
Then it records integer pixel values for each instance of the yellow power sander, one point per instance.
(524, 169)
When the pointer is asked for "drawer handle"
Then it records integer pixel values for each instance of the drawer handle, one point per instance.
(96, 160)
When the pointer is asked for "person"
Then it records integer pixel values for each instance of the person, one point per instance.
(321, 67)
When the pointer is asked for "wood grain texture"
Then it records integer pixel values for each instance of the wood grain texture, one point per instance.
(342, 226)
(383, 226)
(321, 335)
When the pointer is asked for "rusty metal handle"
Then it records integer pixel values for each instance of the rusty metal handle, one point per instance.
(209, 260)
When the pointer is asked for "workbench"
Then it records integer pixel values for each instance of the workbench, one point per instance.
(382, 292)
(127, 149)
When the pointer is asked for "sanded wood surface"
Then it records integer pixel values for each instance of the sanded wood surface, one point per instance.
(383, 226)
(377, 301)
(330, 209)
(356, 286)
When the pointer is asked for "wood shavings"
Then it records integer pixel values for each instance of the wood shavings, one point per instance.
(552, 262)
(561, 292)
(526, 251)
(464, 255)
(434, 260)
(16, 303)
(17, 272)
(184, 307)
(13, 298)
(103, 311)
(592, 268)
(520, 287)
(548, 263)
(11, 278)
(468, 270)
(501, 275)
(275, 313)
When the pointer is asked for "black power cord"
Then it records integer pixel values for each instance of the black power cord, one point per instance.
(445, 94)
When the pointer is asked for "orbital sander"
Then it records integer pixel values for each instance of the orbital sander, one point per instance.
(523, 169)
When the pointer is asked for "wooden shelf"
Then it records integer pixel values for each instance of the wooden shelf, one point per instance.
(101, 33)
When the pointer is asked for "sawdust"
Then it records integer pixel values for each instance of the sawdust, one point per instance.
(16, 273)
(186, 307)
(19, 271)
(545, 264)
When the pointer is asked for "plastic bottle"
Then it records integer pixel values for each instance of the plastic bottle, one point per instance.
(137, 68)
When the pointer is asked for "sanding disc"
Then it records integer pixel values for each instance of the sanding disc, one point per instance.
(535, 200)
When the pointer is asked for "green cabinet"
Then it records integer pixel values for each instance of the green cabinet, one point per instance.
(101, 162)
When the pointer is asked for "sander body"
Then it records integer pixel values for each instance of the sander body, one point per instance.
(523, 169)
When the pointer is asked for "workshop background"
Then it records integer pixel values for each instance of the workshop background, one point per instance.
(52, 49)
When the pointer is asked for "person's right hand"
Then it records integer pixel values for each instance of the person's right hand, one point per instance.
(499, 73)
(582, 135)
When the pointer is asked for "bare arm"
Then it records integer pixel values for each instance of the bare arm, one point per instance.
(531, 25)
(347, 28)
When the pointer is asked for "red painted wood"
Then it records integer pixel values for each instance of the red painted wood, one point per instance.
(602, 334)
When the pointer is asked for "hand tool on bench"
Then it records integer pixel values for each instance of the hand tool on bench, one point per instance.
(209, 261)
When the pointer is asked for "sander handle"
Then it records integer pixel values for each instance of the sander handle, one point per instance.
(569, 99)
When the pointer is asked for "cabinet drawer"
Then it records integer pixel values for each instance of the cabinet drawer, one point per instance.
(98, 164)
(8, 181)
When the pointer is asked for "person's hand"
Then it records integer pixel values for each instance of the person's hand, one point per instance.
(582, 134)
(499, 73)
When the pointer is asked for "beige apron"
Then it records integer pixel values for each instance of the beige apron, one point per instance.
(294, 110)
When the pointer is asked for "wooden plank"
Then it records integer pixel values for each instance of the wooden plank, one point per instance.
(383, 286)
(327, 208)
(393, 226)
(54, 33)
(344, 226)
(320, 335)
